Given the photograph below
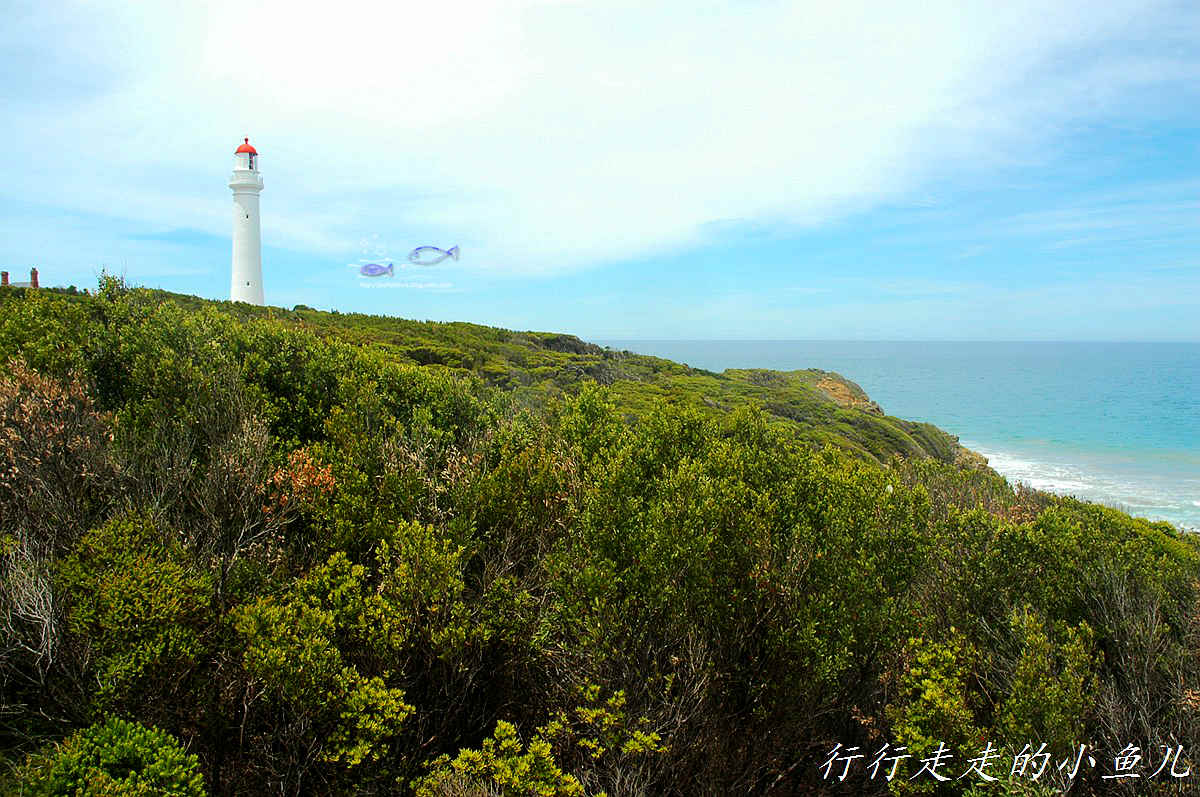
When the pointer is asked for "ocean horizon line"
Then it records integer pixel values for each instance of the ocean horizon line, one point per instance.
(888, 340)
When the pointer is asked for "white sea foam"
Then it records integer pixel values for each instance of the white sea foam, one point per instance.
(1120, 484)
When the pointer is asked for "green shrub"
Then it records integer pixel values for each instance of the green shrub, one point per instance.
(597, 738)
(1051, 695)
(114, 758)
(140, 609)
(934, 701)
(501, 766)
(301, 650)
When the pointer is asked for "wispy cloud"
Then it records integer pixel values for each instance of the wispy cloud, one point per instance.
(546, 136)
(1060, 218)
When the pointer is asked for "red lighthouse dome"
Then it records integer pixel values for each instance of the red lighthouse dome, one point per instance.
(245, 148)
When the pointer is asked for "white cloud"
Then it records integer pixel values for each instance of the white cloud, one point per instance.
(1146, 307)
(552, 135)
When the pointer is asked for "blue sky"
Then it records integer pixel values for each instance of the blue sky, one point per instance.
(941, 169)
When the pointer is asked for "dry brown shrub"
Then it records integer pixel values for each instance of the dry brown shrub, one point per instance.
(56, 481)
(55, 472)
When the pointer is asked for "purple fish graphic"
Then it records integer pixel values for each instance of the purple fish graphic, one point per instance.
(376, 270)
(428, 255)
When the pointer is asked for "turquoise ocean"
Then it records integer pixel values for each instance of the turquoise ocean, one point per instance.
(1115, 423)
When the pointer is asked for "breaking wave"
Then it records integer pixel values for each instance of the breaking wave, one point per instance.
(1139, 491)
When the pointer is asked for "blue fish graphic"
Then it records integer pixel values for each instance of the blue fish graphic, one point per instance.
(428, 255)
(376, 270)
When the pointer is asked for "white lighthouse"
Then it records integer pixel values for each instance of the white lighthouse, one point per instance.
(246, 284)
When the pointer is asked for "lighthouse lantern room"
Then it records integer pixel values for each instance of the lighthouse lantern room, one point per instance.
(246, 282)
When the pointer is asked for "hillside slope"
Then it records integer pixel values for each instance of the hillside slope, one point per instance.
(255, 551)
(816, 406)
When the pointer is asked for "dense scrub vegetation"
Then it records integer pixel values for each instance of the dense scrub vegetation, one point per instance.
(253, 551)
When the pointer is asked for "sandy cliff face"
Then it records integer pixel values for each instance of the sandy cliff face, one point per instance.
(849, 395)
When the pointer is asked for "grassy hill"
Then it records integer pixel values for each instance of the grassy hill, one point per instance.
(252, 550)
(818, 407)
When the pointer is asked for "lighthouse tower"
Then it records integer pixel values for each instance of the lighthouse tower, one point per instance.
(246, 284)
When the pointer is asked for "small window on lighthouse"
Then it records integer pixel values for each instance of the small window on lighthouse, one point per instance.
(251, 161)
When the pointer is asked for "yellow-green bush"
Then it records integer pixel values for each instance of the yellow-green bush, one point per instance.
(114, 758)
